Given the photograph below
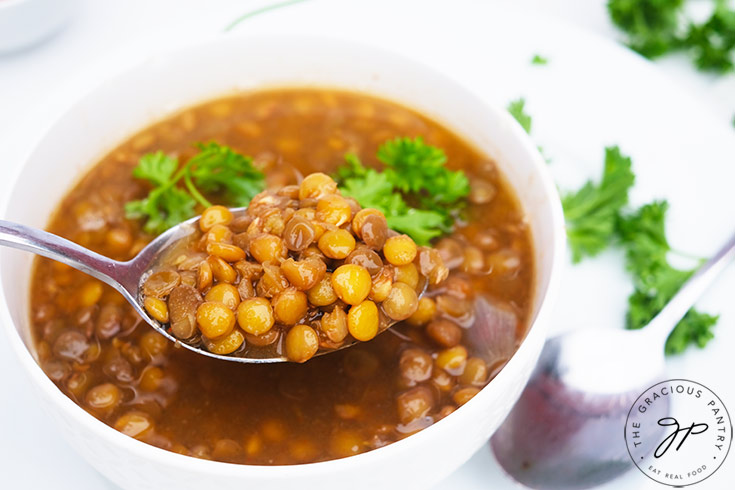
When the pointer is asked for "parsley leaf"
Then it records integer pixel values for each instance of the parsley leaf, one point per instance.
(517, 110)
(416, 168)
(591, 212)
(694, 328)
(657, 27)
(596, 219)
(162, 209)
(219, 169)
(157, 168)
(373, 189)
(651, 25)
(643, 237)
(414, 173)
(216, 168)
(421, 225)
(166, 205)
(713, 43)
(539, 60)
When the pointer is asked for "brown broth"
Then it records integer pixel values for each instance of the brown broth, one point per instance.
(330, 407)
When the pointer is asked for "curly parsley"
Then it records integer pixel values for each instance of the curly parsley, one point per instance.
(712, 43)
(216, 168)
(417, 169)
(643, 236)
(413, 171)
(597, 218)
(658, 27)
(165, 205)
(220, 169)
(591, 212)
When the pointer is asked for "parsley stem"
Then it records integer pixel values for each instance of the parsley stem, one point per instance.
(259, 11)
(687, 255)
(183, 171)
(195, 192)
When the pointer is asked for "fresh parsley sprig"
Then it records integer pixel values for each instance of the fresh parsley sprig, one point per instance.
(597, 218)
(643, 236)
(712, 43)
(658, 27)
(220, 169)
(166, 204)
(592, 211)
(416, 172)
(216, 168)
(418, 169)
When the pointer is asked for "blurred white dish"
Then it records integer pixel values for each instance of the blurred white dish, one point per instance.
(26, 22)
(145, 93)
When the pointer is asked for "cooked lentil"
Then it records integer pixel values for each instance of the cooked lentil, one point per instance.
(286, 302)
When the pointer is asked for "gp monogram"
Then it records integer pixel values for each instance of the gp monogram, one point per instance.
(678, 432)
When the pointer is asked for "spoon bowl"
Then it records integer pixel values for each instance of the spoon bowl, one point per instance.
(128, 277)
(565, 431)
(125, 277)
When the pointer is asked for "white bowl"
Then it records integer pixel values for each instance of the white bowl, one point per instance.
(165, 83)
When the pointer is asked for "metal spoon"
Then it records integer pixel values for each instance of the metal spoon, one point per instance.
(566, 430)
(125, 277)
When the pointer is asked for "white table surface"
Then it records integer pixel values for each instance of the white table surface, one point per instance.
(32, 454)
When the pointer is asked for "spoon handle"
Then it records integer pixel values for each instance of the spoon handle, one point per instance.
(54, 247)
(663, 323)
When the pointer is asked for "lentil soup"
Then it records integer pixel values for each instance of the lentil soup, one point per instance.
(102, 356)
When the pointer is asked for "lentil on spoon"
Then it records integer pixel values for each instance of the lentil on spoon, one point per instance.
(303, 270)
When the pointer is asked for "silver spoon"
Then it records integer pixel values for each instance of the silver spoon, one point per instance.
(566, 430)
(125, 277)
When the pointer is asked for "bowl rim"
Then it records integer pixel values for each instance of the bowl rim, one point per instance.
(166, 458)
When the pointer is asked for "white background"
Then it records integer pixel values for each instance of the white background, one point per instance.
(31, 453)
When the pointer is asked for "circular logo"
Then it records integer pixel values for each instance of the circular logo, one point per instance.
(678, 432)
